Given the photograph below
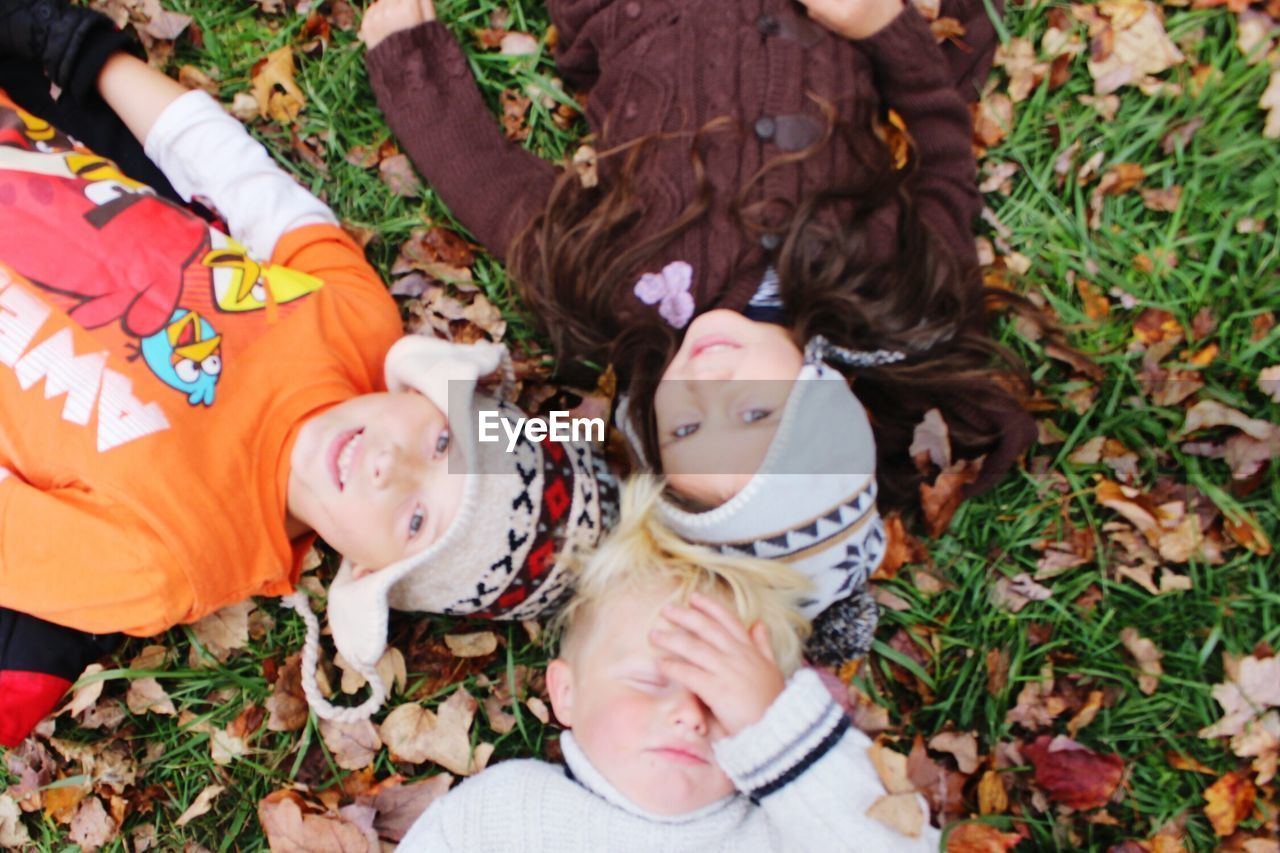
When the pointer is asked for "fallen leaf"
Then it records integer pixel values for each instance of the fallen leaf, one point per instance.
(1254, 686)
(287, 705)
(61, 800)
(1015, 593)
(92, 827)
(940, 500)
(1140, 47)
(517, 44)
(1096, 304)
(1164, 199)
(1207, 414)
(1072, 774)
(891, 766)
(290, 830)
(1017, 56)
(398, 805)
(1229, 801)
(224, 631)
(585, 162)
(975, 837)
(1269, 382)
(486, 315)
(274, 89)
(900, 812)
(165, 25)
(85, 697)
(1037, 705)
(963, 746)
(146, 695)
(13, 833)
(931, 443)
(417, 734)
(194, 78)
(200, 805)
(992, 796)
(1148, 657)
(397, 173)
(1270, 101)
(354, 745)
(1088, 711)
(224, 747)
(992, 119)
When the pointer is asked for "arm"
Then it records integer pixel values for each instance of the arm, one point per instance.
(915, 79)
(424, 86)
(205, 152)
(810, 772)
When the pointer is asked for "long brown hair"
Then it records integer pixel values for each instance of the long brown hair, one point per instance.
(577, 261)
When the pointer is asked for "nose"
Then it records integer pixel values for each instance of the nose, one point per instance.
(390, 464)
(689, 713)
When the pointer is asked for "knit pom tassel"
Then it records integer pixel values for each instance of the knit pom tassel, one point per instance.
(311, 662)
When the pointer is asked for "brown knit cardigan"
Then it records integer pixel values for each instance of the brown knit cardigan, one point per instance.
(674, 65)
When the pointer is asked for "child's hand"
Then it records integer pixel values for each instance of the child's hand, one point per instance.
(853, 19)
(730, 668)
(390, 16)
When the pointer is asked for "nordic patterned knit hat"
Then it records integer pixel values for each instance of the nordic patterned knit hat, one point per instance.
(812, 501)
(524, 513)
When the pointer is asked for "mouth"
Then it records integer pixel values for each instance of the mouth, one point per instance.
(341, 454)
(681, 755)
(712, 343)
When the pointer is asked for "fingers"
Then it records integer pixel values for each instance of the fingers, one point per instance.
(688, 647)
(703, 626)
(721, 613)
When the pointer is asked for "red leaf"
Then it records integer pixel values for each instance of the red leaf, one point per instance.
(1073, 774)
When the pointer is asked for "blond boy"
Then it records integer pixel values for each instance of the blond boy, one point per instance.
(690, 724)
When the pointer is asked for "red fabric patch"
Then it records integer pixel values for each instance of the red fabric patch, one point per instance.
(554, 449)
(540, 559)
(556, 498)
(26, 698)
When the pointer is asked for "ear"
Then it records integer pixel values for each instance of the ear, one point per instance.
(560, 688)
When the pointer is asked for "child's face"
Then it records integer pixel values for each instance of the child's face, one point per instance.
(650, 737)
(371, 477)
(713, 435)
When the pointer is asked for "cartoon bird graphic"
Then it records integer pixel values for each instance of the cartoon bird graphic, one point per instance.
(186, 355)
(241, 283)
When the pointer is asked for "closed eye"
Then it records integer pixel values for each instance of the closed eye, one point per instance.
(750, 416)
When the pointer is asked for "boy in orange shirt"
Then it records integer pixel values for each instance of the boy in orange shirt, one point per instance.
(179, 418)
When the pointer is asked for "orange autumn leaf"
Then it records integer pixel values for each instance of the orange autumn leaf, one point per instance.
(1230, 800)
(1154, 325)
(980, 838)
(1121, 178)
(1247, 534)
(1096, 304)
(1072, 774)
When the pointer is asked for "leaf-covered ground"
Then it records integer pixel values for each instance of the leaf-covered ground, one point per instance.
(1082, 660)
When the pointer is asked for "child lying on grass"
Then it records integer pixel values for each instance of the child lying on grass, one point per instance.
(690, 725)
(183, 412)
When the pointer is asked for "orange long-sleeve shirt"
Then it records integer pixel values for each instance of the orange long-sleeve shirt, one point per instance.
(153, 378)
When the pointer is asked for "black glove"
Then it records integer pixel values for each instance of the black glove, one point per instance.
(70, 42)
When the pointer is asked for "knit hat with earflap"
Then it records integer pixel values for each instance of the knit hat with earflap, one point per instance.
(812, 501)
(524, 513)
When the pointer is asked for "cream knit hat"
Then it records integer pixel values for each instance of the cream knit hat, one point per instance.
(504, 556)
(812, 501)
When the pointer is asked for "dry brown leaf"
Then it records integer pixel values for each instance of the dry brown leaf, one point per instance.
(224, 747)
(194, 78)
(1253, 687)
(1088, 711)
(1017, 57)
(963, 746)
(891, 766)
(1139, 45)
(1148, 657)
(1270, 101)
(1096, 304)
(1037, 705)
(1121, 178)
(992, 796)
(1164, 199)
(931, 443)
(13, 832)
(1260, 741)
(940, 500)
(354, 745)
(416, 734)
(85, 697)
(290, 830)
(900, 812)
(200, 805)
(277, 95)
(1072, 774)
(1207, 414)
(1248, 534)
(1229, 801)
(146, 694)
(92, 827)
(975, 837)
(397, 173)
(224, 631)
(486, 315)
(287, 705)
(399, 805)
(161, 23)
(992, 119)
(1015, 593)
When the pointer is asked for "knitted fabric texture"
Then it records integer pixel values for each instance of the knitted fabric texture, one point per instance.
(805, 782)
(844, 630)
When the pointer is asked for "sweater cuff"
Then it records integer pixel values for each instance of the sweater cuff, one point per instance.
(907, 46)
(407, 60)
(799, 728)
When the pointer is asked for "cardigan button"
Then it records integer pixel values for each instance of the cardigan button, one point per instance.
(632, 10)
(769, 242)
(767, 25)
(765, 128)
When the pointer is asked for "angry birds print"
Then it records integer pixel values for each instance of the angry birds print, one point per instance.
(186, 355)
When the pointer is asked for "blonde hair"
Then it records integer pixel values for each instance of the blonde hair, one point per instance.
(642, 552)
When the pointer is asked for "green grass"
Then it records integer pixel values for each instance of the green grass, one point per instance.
(1227, 171)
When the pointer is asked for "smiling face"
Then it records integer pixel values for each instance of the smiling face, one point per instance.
(371, 477)
(650, 737)
(719, 403)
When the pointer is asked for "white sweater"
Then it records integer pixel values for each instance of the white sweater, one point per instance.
(804, 780)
